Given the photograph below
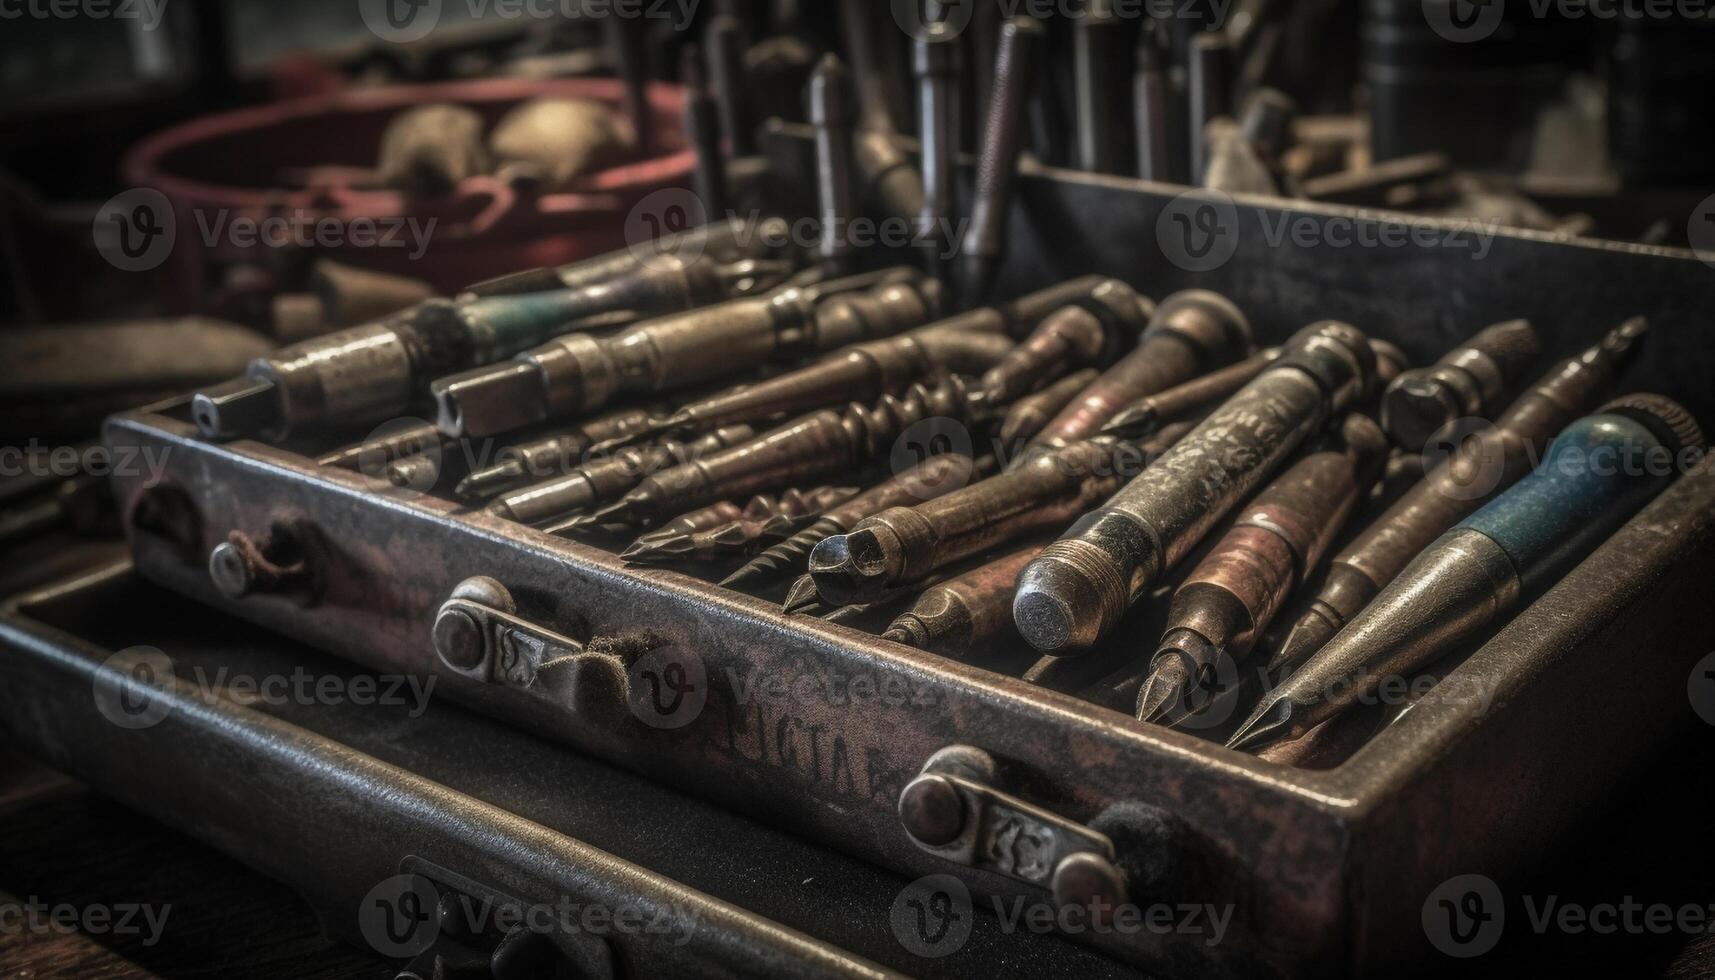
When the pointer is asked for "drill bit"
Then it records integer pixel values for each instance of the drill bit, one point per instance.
(1469, 382)
(801, 596)
(376, 452)
(935, 58)
(728, 76)
(702, 132)
(550, 455)
(1075, 593)
(370, 373)
(830, 114)
(902, 545)
(1098, 39)
(820, 444)
(1489, 462)
(1192, 332)
(937, 475)
(967, 343)
(1021, 43)
(577, 373)
(1474, 575)
(1151, 412)
(968, 613)
(1029, 414)
(599, 481)
(766, 518)
(1207, 68)
(1111, 316)
(717, 514)
(1279, 538)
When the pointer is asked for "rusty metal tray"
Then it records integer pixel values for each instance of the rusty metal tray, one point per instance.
(817, 727)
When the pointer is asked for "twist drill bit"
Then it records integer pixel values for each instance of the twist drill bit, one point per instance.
(1192, 332)
(902, 545)
(766, 518)
(578, 373)
(1098, 39)
(820, 444)
(1469, 382)
(1029, 414)
(967, 613)
(1092, 330)
(1228, 600)
(935, 58)
(599, 481)
(702, 132)
(1150, 413)
(967, 343)
(551, 455)
(1474, 575)
(1489, 462)
(728, 75)
(731, 241)
(1150, 95)
(830, 114)
(1207, 68)
(1021, 42)
(370, 373)
(1080, 587)
(927, 480)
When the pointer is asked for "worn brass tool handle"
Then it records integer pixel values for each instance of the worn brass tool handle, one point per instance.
(953, 810)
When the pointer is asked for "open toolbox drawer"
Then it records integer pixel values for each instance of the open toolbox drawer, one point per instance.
(817, 727)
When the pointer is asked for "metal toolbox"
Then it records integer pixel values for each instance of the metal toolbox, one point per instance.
(818, 728)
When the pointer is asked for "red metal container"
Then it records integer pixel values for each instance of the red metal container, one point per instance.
(224, 168)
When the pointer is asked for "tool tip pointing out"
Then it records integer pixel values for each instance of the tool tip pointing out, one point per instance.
(1272, 722)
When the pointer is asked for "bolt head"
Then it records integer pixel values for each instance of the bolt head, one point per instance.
(932, 811)
(458, 639)
(231, 571)
(1089, 881)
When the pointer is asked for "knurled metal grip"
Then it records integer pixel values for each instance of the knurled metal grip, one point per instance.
(952, 810)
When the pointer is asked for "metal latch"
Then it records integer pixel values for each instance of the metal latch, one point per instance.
(952, 810)
(479, 634)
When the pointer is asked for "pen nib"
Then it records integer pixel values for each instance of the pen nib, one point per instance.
(1166, 693)
(1310, 634)
(801, 596)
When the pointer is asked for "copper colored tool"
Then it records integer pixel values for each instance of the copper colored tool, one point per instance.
(1029, 414)
(1469, 382)
(967, 613)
